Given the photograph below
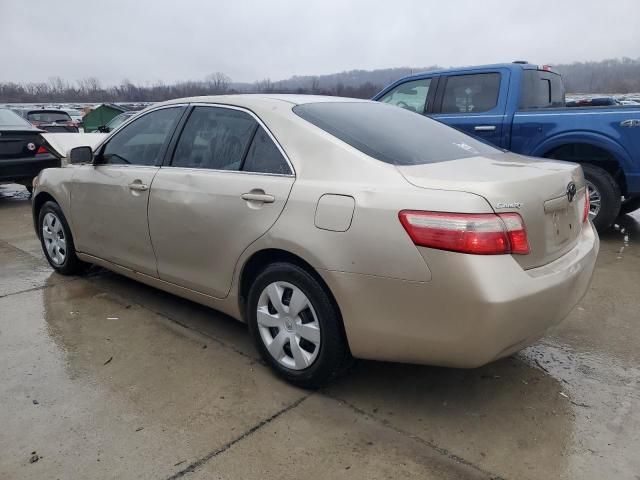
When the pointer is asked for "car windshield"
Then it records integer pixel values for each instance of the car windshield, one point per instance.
(11, 119)
(392, 134)
(49, 116)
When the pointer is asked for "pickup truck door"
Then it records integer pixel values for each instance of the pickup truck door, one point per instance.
(476, 104)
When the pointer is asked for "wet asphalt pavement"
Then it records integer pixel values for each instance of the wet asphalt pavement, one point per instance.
(101, 377)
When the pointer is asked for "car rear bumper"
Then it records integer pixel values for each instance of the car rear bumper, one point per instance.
(24, 169)
(475, 309)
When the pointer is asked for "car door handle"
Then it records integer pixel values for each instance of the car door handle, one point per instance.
(485, 128)
(258, 197)
(141, 187)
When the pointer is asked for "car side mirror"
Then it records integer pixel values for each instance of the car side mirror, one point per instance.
(80, 155)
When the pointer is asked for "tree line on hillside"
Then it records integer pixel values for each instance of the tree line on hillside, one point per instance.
(608, 76)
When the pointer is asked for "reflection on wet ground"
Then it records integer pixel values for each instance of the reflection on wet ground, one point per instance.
(102, 377)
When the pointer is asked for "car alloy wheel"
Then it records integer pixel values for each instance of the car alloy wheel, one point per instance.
(595, 200)
(288, 325)
(54, 238)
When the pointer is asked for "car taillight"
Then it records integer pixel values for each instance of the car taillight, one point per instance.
(587, 206)
(42, 149)
(475, 233)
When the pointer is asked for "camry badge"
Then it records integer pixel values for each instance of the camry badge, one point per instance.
(508, 205)
(571, 191)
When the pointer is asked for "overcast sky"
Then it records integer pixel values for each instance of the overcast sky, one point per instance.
(164, 40)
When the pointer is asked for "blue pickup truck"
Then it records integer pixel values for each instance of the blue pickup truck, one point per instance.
(521, 107)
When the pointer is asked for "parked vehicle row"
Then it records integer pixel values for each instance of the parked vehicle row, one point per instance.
(333, 227)
(521, 107)
(23, 150)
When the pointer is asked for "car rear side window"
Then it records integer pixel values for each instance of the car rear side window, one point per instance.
(215, 138)
(264, 156)
(541, 89)
(472, 93)
(390, 134)
(141, 141)
(410, 95)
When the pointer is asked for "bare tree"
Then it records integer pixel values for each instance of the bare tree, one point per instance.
(218, 82)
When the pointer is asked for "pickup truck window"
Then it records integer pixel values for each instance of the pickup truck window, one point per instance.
(410, 95)
(392, 135)
(541, 89)
(473, 93)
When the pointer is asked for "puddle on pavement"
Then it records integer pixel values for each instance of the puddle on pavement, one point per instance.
(14, 192)
(605, 397)
(489, 416)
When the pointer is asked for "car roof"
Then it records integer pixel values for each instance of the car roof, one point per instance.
(247, 99)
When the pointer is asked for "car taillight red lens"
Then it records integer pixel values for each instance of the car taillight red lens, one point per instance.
(42, 149)
(475, 233)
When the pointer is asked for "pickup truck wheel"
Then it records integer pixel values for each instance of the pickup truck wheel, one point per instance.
(604, 196)
(630, 205)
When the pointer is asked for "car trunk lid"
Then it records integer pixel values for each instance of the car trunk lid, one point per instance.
(15, 143)
(534, 188)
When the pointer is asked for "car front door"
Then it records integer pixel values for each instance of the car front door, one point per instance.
(226, 184)
(475, 103)
(109, 198)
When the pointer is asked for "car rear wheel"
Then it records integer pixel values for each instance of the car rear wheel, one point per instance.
(604, 197)
(296, 326)
(56, 240)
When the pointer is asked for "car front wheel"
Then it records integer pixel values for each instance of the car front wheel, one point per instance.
(56, 240)
(296, 326)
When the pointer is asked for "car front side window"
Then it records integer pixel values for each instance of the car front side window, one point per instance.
(141, 142)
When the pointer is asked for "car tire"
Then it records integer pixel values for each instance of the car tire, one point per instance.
(287, 339)
(630, 205)
(604, 195)
(56, 240)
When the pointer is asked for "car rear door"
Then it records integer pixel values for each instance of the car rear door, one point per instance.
(475, 103)
(109, 199)
(225, 185)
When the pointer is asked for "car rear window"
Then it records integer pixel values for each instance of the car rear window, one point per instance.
(12, 119)
(541, 89)
(49, 116)
(392, 134)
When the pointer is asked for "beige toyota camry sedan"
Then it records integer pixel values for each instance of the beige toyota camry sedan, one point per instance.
(336, 228)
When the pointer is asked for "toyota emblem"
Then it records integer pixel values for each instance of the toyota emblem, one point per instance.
(571, 191)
